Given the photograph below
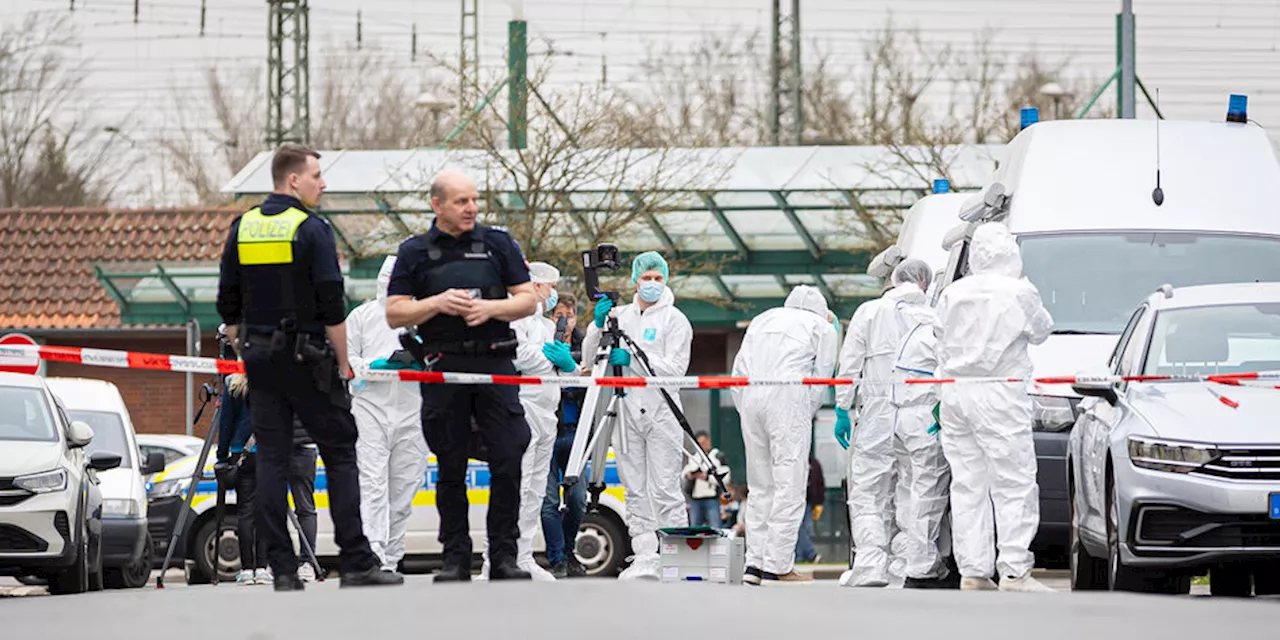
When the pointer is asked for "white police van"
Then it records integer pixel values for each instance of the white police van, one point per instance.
(1097, 237)
(602, 545)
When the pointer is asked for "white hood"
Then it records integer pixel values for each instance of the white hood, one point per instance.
(1191, 411)
(19, 458)
(1068, 355)
(808, 298)
(384, 279)
(995, 251)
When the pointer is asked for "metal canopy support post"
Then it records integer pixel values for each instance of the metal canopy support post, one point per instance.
(288, 75)
(469, 54)
(517, 83)
(822, 286)
(173, 289)
(790, 213)
(786, 109)
(718, 213)
(462, 125)
(637, 204)
(394, 216)
(1126, 53)
(349, 249)
(111, 288)
(193, 351)
(583, 224)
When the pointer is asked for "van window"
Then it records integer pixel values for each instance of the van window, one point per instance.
(108, 434)
(24, 415)
(1090, 282)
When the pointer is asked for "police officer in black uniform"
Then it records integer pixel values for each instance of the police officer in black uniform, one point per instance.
(280, 293)
(461, 283)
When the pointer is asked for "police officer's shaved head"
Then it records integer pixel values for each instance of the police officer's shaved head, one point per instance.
(456, 202)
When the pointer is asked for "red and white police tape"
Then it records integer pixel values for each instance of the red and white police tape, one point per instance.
(184, 364)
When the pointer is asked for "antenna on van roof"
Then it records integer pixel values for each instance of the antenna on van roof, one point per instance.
(1157, 195)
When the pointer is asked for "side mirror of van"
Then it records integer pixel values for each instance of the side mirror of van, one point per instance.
(80, 434)
(101, 461)
(991, 200)
(882, 265)
(154, 463)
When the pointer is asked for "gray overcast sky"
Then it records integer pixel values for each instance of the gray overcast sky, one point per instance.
(1196, 52)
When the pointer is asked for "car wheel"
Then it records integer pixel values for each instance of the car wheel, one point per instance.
(136, 573)
(1230, 582)
(32, 580)
(222, 552)
(601, 545)
(1087, 572)
(1266, 579)
(1119, 577)
(75, 578)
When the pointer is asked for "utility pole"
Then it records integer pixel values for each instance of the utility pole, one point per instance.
(288, 75)
(469, 56)
(786, 110)
(1127, 88)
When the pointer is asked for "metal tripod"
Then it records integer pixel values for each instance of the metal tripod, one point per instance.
(592, 444)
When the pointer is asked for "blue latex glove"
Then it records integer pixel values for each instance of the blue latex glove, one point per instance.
(843, 427)
(933, 429)
(558, 354)
(382, 363)
(602, 309)
(620, 356)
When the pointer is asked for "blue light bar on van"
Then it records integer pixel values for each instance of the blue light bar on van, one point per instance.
(1030, 116)
(941, 185)
(1238, 108)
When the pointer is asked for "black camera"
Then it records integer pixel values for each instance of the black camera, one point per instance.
(605, 257)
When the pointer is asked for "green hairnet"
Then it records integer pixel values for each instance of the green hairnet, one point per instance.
(649, 261)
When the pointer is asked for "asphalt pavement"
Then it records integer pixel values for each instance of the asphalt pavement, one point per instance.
(608, 609)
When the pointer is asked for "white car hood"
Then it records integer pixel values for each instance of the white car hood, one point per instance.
(121, 484)
(19, 458)
(1191, 411)
(1068, 355)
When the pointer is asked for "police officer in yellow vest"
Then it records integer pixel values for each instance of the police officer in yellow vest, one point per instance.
(280, 293)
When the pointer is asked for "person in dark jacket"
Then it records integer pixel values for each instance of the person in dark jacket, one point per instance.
(560, 528)
(815, 497)
(235, 433)
(301, 476)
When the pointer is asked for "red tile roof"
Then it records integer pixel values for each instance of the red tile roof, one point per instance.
(47, 258)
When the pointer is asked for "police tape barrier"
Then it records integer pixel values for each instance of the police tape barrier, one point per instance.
(183, 364)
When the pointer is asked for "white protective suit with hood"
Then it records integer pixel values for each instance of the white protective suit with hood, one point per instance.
(650, 468)
(390, 451)
(870, 352)
(986, 322)
(539, 402)
(928, 475)
(777, 421)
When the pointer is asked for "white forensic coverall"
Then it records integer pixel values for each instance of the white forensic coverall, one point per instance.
(870, 351)
(926, 475)
(777, 421)
(390, 451)
(986, 322)
(650, 468)
(539, 402)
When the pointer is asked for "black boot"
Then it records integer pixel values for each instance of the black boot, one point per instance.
(371, 577)
(507, 570)
(288, 582)
(453, 573)
(560, 570)
(575, 568)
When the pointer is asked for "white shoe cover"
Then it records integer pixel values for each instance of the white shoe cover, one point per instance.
(536, 571)
(977, 584)
(643, 568)
(1025, 584)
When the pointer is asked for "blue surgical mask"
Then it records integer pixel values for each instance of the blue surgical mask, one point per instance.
(651, 291)
(550, 303)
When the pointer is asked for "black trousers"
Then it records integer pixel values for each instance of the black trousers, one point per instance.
(279, 388)
(447, 412)
(253, 553)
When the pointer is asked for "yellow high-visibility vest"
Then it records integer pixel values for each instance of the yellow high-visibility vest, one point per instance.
(265, 239)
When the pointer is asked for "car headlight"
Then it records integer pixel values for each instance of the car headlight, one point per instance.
(166, 488)
(1053, 413)
(1174, 457)
(119, 507)
(47, 482)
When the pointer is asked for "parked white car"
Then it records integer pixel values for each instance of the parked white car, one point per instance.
(1172, 479)
(126, 545)
(172, 446)
(50, 503)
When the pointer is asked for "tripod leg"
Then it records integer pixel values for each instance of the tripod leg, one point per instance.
(306, 545)
(191, 491)
(580, 451)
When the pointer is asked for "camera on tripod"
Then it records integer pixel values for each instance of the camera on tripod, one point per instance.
(605, 257)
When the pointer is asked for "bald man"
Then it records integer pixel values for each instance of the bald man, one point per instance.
(461, 284)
